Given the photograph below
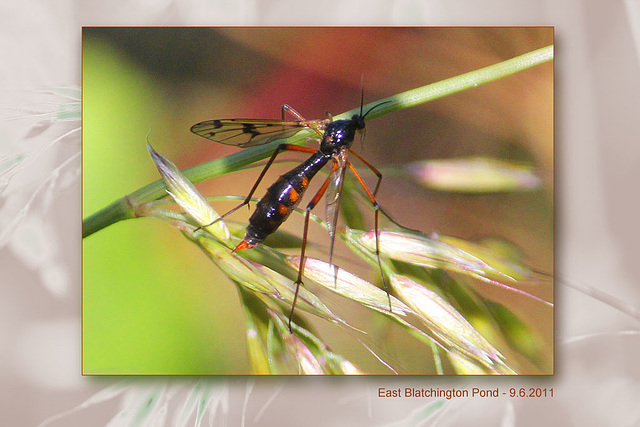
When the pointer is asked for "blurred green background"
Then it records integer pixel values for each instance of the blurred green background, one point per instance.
(152, 302)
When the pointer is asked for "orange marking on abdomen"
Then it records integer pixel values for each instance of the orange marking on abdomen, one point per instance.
(293, 195)
(282, 209)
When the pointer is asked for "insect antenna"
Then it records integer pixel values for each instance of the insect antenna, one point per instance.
(373, 108)
(361, 94)
(363, 134)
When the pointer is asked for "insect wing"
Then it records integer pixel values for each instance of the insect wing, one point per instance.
(250, 132)
(333, 194)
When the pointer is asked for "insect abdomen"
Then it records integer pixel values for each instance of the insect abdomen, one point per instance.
(280, 200)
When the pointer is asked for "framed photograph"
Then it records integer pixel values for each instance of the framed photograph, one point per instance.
(424, 248)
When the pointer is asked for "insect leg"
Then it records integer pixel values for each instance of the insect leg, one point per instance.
(286, 108)
(375, 191)
(312, 204)
(376, 208)
(370, 166)
(281, 147)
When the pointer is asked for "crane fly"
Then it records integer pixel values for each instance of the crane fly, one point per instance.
(282, 197)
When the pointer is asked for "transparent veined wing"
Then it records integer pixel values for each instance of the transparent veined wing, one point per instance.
(250, 132)
(334, 190)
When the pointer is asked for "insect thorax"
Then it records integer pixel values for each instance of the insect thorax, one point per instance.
(338, 135)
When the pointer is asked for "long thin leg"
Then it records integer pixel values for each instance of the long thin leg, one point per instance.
(375, 191)
(376, 208)
(312, 204)
(286, 108)
(281, 147)
(370, 166)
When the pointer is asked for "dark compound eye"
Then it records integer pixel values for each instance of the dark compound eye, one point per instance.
(359, 121)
